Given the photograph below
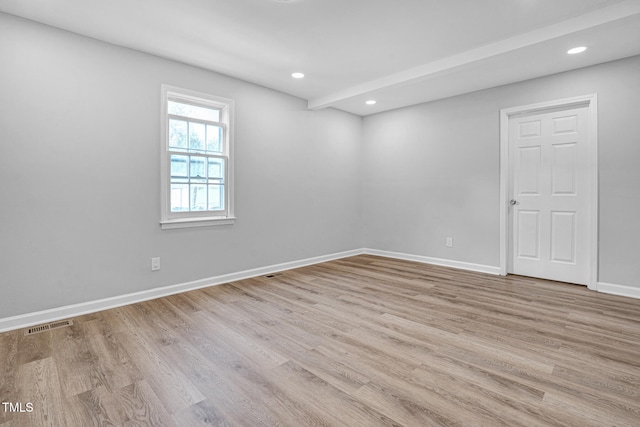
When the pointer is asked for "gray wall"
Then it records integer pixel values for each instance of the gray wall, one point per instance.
(79, 167)
(432, 170)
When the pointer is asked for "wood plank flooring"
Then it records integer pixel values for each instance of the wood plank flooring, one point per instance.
(363, 341)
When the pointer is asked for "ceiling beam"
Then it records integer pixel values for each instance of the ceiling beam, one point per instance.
(437, 68)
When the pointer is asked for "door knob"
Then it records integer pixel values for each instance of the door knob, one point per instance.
(512, 202)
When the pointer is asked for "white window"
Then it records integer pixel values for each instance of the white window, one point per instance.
(196, 155)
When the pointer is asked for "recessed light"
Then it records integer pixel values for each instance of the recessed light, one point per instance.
(575, 50)
(297, 75)
(370, 102)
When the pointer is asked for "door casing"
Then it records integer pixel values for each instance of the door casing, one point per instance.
(590, 101)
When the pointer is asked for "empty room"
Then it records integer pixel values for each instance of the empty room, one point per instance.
(320, 212)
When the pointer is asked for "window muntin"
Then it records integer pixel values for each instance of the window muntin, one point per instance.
(196, 156)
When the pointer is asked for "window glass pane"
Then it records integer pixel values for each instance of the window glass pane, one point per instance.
(196, 136)
(216, 197)
(179, 166)
(198, 197)
(197, 169)
(179, 197)
(193, 111)
(177, 134)
(214, 139)
(216, 169)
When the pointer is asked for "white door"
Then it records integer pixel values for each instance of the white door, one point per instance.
(550, 195)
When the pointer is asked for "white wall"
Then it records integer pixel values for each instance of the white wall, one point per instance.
(432, 170)
(79, 167)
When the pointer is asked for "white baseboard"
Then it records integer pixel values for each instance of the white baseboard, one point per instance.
(622, 290)
(50, 315)
(46, 316)
(436, 261)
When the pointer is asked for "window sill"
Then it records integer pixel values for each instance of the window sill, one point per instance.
(196, 222)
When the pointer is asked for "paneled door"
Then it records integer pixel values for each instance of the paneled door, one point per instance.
(550, 195)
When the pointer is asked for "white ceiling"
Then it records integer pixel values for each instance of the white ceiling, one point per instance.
(399, 52)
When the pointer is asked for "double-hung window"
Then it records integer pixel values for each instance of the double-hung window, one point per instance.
(196, 159)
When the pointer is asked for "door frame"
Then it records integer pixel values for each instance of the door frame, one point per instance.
(591, 102)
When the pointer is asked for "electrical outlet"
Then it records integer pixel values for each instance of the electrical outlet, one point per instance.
(449, 242)
(155, 264)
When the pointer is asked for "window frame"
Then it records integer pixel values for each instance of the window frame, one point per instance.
(169, 219)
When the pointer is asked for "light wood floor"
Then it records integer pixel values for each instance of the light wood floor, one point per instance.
(363, 341)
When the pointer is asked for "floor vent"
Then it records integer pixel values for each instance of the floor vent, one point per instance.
(48, 327)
